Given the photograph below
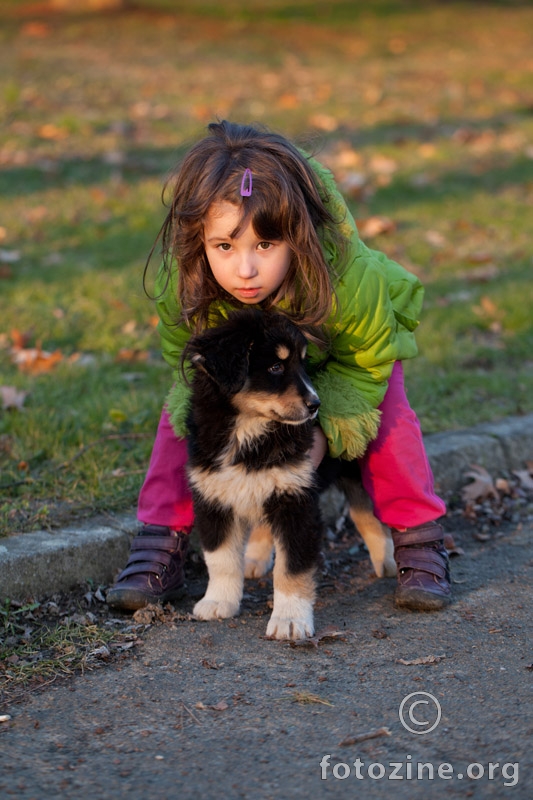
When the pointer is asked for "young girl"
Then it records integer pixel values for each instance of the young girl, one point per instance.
(256, 222)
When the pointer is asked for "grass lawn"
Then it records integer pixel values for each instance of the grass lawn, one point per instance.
(424, 112)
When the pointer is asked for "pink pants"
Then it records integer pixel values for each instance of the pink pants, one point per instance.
(395, 471)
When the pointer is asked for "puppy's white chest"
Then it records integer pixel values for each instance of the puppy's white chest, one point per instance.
(246, 492)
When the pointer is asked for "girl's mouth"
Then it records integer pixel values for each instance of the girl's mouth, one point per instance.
(248, 293)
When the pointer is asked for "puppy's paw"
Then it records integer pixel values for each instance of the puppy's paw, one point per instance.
(258, 558)
(382, 556)
(389, 568)
(215, 609)
(384, 567)
(257, 567)
(289, 628)
(292, 618)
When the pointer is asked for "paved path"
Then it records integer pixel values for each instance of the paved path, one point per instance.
(210, 710)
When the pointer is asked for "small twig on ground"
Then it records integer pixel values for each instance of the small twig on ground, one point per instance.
(188, 710)
(361, 737)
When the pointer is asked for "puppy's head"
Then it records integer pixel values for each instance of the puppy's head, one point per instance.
(257, 360)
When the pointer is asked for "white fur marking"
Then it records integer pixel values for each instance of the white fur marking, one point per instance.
(226, 576)
(311, 390)
(246, 492)
(292, 617)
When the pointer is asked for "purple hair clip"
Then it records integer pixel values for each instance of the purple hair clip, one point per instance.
(246, 183)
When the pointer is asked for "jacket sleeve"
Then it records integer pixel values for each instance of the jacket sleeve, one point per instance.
(174, 337)
(378, 303)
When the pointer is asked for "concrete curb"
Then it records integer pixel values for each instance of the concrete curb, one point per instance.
(33, 565)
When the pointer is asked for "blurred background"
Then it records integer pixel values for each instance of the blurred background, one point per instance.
(422, 110)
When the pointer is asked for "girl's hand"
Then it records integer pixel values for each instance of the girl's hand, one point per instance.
(319, 447)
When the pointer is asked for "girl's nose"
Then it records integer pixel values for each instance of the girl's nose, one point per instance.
(247, 267)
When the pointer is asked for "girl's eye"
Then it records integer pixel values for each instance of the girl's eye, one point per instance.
(277, 368)
(265, 245)
(224, 246)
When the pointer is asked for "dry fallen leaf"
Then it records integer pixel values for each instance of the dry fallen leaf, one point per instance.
(374, 226)
(131, 354)
(103, 653)
(19, 339)
(324, 122)
(35, 29)
(330, 632)
(209, 664)
(488, 308)
(482, 486)
(419, 661)
(154, 612)
(129, 327)
(480, 257)
(383, 165)
(288, 101)
(451, 547)
(525, 477)
(220, 706)
(12, 397)
(435, 239)
(51, 131)
(35, 360)
(503, 486)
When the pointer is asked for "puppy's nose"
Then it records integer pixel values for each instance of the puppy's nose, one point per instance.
(313, 405)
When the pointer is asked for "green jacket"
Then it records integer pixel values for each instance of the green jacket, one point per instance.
(379, 304)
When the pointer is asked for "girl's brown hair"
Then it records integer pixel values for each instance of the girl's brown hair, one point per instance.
(287, 203)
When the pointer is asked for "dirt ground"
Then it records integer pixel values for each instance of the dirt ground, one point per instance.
(213, 709)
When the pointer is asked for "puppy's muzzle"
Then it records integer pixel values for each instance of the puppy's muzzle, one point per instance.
(313, 404)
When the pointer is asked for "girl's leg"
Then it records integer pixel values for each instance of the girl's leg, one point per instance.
(154, 572)
(165, 497)
(395, 469)
(396, 474)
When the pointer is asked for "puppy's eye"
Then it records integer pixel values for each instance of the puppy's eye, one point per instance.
(277, 368)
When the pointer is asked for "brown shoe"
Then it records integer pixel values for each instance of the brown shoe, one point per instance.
(154, 572)
(423, 568)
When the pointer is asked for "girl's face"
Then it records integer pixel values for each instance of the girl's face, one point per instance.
(247, 267)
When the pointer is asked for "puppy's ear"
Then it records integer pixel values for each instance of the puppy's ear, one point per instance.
(223, 356)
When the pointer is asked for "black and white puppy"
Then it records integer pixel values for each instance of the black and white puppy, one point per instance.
(250, 426)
